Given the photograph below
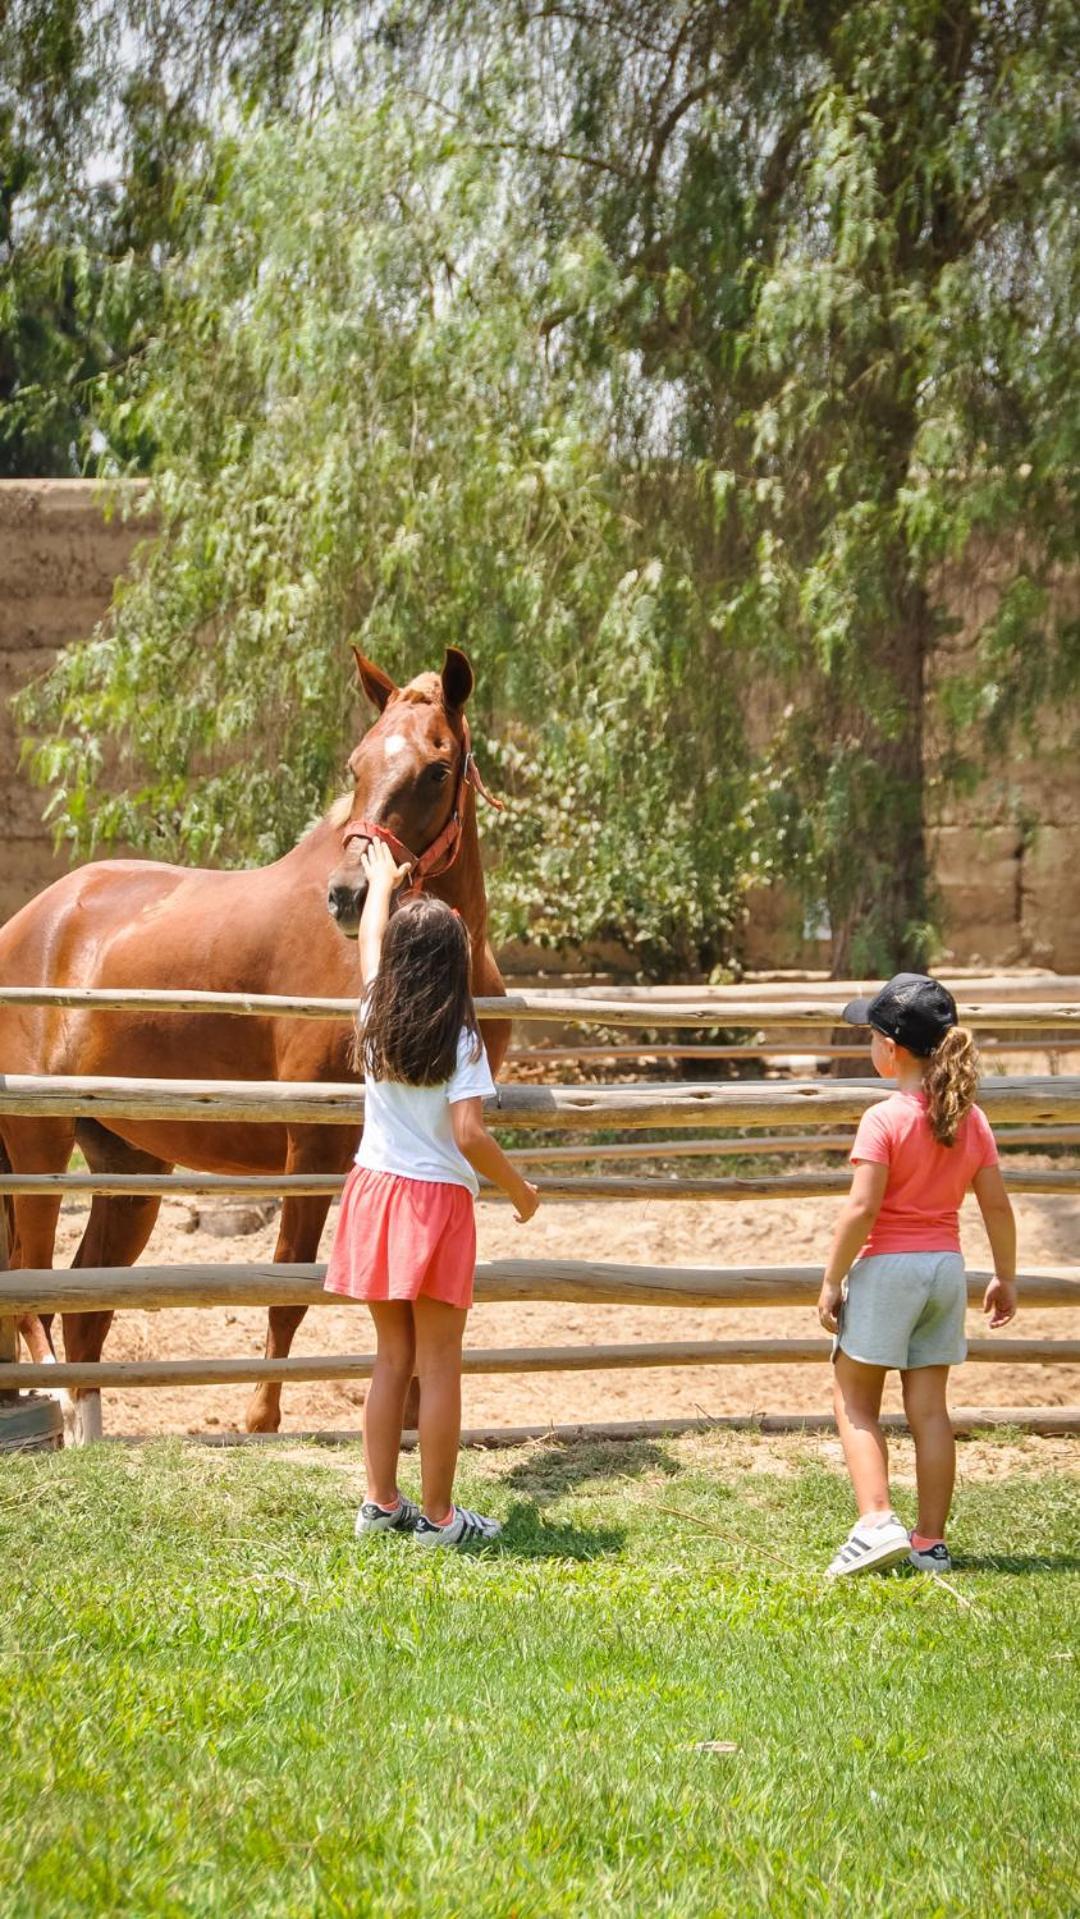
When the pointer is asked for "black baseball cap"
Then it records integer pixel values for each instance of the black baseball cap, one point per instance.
(912, 1009)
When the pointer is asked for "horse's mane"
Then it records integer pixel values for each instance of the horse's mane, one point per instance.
(425, 690)
(337, 813)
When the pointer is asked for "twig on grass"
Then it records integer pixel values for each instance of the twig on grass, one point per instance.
(962, 1599)
(723, 1532)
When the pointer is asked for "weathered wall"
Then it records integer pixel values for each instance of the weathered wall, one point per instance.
(1009, 888)
(1007, 858)
(58, 561)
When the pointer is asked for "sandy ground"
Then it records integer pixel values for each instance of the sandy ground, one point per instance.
(649, 1232)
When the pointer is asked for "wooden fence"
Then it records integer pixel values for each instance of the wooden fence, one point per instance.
(1025, 1110)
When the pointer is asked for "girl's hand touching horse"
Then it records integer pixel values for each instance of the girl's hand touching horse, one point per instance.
(383, 876)
(380, 868)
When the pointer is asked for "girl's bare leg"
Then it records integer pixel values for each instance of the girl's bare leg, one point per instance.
(857, 1391)
(439, 1333)
(384, 1406)
(935, 1445)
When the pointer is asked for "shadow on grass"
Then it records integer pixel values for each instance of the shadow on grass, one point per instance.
(560, 1464)
(1016, 1562)
(526, 1534)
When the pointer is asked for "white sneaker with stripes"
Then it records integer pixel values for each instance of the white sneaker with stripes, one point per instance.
(401, 1518)
(463, 1528)
(872, 1545)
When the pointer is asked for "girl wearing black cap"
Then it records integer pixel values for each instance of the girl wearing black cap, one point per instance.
(895, 1293)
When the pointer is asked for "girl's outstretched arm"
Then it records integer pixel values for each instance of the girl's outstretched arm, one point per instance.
(487, 1158)
(383, 876)
(859, 1211)
(999, 1299)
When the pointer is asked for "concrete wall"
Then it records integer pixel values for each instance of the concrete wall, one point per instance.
(1009, 887)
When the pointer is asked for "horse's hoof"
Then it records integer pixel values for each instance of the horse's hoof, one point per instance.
(261, 1418)
(81, 1415)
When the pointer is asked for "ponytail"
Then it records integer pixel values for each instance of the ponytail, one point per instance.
(951, 1083)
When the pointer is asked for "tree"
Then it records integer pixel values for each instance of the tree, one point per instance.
(108, 116)
(664, 356)
(358, 441)
(841, 243)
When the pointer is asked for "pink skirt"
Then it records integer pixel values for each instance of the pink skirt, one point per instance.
(399, 1238)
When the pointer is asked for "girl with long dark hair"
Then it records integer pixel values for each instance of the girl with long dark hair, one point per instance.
(406, 1235)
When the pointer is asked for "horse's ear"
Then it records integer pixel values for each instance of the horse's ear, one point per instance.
(457, 678)
(376, 684)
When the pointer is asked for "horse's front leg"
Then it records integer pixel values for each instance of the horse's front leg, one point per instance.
(300, 1230)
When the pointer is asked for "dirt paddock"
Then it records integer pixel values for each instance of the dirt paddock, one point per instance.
(661, 1233)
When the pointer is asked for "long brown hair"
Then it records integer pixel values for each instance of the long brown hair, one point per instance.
(951, 1083)
(420, 998)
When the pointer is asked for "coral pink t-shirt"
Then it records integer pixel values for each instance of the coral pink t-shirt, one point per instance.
(927, 1181)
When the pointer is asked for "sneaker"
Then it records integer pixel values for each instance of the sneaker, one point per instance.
(463, 1528)
(870, 1548)
(932, 1559)
(401, 1518)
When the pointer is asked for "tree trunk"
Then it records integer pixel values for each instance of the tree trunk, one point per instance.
(878, 881)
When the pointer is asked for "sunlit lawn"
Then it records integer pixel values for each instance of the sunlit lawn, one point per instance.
(213, 1701)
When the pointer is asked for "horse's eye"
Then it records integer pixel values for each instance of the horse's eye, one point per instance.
(438, 775)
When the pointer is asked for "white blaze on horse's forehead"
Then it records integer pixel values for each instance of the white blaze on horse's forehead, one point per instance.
(393, 744)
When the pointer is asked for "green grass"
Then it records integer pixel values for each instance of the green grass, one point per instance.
(213, 1701)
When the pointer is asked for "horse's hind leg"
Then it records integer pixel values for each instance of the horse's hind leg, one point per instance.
(115, 1235)
(35, 1146)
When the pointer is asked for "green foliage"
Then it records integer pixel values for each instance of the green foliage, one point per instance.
(108, 115)
(358, 442)
(213, 1700)
(667, 361)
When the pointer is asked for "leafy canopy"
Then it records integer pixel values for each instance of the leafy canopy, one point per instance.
(664, 360)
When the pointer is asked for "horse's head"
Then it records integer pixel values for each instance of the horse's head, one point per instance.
(408, 774)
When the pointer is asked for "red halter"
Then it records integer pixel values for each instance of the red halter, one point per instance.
(439, 857)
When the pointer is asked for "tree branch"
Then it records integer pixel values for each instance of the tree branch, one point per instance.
(671, 121)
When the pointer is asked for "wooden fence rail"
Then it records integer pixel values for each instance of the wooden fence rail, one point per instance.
(1032, 1110)
(1038, 1040)
(1030, 1100)
(803, 1144)
(1057, 1004)
(965, 987)
(81, 1289)
(802, 1185)
(493, 1359)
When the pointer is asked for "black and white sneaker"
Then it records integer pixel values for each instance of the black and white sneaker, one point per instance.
(463, 1528)
(871, 1548)
(401, 1518)
(932, 1559)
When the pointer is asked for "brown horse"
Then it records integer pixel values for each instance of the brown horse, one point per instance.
(287, 928)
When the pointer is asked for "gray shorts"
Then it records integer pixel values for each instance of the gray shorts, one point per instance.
(905, 1310)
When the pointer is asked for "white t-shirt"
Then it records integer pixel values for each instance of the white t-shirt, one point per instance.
(408, 1129)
